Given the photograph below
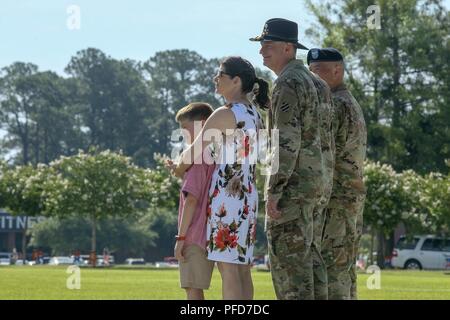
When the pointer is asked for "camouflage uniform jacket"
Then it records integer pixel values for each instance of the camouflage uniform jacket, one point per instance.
(351, 143)
(301, 177)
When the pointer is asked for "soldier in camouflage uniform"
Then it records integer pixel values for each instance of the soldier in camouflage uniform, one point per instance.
(300, 185)
(343, 227)
(328, 150)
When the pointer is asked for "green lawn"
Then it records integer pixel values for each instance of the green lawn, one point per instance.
(43, 282)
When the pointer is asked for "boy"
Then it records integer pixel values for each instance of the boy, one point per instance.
(190, 248)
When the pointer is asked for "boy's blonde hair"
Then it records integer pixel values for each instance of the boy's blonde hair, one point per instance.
(194, 111)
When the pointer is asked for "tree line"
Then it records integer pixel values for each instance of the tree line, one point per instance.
(101, 197)
(100, 101)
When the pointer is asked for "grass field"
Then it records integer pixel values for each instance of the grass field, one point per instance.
(43, 282)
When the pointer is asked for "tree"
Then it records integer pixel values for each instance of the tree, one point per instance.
(3, 168)
(103, 102)
(21, 193)
(95, 186)
(54, 128)
(161, 216)
(435, 200)
(399, 75)
(123, 237)
(16, 108)
(115, 104)
(176, 78)
(420, 203)
(37, 114)
(381, 212)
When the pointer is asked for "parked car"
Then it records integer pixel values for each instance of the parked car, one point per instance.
(5, 255)
(258, 260)
(5, 258)
(46, 260)
(101, 260)
(135, 261)
(162, 264)
(421, 252)
(169, 262)
(55, 261)
(78, 261)
(85, 259)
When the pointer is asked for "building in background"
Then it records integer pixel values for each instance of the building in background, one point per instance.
(12, 229)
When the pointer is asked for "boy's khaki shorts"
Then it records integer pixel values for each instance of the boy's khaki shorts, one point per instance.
(196, 270)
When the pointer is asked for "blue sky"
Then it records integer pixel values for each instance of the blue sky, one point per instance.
(36, 31)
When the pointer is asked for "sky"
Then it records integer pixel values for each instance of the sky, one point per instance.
(38, 32)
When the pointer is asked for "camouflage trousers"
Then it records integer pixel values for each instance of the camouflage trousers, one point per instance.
(340, 243)
(359, 229)
(319, 266)
(295, 258)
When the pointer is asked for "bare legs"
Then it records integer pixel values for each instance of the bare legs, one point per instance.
(237, 281)
(194, 294)
(246, 282)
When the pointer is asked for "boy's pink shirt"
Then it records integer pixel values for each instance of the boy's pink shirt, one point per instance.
(197, 181)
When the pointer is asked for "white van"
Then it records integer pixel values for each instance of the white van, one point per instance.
(422, 252)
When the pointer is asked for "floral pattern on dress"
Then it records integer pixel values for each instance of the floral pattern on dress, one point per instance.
(233, 198)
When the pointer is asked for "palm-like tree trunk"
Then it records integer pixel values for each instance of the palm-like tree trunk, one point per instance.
(24, 240)
(94, 240)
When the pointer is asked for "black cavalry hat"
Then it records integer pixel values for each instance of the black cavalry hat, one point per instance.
(278, 29)
(325, 54)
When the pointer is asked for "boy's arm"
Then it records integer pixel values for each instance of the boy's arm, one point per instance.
(188, 214)
(190, 205)
(221, 120)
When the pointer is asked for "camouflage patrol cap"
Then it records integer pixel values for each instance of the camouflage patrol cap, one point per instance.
(278, 29)
(325, 54)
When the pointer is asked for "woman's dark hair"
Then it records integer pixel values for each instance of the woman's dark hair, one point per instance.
(242, 68)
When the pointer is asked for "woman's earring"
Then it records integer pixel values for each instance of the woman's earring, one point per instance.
(255, 89)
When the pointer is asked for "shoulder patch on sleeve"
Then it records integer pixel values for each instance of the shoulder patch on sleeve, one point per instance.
(284, 107)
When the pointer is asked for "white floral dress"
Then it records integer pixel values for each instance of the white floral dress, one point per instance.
(233, 197)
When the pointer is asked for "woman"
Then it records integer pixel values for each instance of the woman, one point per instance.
(233, 197)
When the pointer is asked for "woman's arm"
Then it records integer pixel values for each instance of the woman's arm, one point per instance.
(221, 119)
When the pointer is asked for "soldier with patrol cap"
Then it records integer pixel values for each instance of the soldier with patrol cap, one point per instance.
(343, 227)
(297, 186)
